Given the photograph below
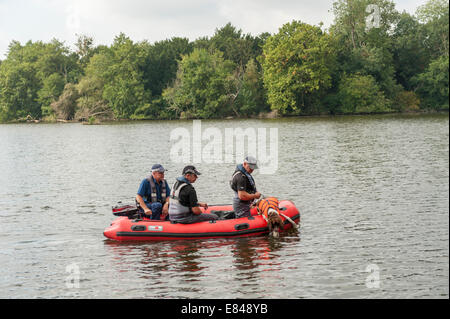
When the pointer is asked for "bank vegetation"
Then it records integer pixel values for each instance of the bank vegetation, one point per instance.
(367, 61)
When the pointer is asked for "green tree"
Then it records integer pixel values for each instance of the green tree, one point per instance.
(250, 96)
(33, 76)
(161, 63)
(202, 43)
(435, 18)
(364, 22)
(433, 84)
(234, 45)
(52, 87)
(90, 103)
(18, 91)
(362, 34)
(65, 107)
(297, 65)
(202, 87)
(410, 56)
(122, 75)
(85, 49)
(361, 94)
(244, 50)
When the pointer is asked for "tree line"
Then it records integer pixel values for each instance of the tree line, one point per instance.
(372, 59)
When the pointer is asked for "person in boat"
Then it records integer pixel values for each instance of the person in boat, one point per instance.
(153, 194)
(184, 206)
(244, 188)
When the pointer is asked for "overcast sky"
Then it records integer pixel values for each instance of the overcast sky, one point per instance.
(24, 20)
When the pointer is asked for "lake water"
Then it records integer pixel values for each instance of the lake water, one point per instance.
(373, 192)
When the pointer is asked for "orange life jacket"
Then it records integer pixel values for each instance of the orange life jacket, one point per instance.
(266, 203)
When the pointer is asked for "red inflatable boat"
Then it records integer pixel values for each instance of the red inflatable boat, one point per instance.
(128, 228)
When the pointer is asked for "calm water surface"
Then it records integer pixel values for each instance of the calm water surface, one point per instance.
(372, 191)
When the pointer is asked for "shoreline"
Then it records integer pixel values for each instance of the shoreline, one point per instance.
(265, 116)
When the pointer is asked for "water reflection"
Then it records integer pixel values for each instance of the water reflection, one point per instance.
(250, 253)
(194, 259)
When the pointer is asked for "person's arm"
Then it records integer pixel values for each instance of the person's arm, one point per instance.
(193, 202)
(241, 184)
(166, 204)
(144, 188)
(243, 195)
(165, 209)
(140, 200)
(196, 210)
(204, 205)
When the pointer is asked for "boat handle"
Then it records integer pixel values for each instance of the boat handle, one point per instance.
(241, 226)
(138, 228)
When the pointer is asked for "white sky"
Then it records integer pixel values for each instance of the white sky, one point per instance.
(24, 20)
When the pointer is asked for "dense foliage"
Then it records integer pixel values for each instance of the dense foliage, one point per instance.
(372, 59)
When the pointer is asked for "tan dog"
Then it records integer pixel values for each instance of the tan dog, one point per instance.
(268, 208)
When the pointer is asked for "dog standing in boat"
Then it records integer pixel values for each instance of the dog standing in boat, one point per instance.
(269, 209)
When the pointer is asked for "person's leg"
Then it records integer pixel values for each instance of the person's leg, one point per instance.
(241, 209)
(198, 218)
(156, 209)
(206, 217)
